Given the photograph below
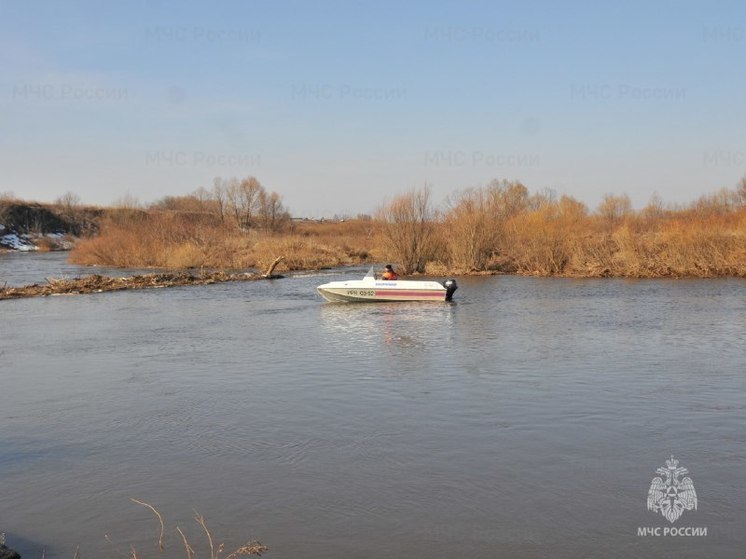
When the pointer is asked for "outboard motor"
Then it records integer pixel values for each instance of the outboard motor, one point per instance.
(451, 287)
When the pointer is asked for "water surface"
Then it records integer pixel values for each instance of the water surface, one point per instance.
(25, 268)
(526, 419)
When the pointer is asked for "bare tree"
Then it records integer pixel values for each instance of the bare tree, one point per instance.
(128, 202)
(69, 200)
(250, 192)
(219, 195)
(614, 209)
(243, 200)
(719, 202)
(571, 210)
(472, 229)
(507, 199)
(233, 199)
(409, 229)
(69, 208)
(655, 208)
(741, 191)
(272, 213)
(203, 198)
(544, 198)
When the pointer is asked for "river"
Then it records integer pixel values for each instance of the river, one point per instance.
(526, 419)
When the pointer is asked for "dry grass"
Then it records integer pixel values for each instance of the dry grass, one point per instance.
(175, 240)
(560, 239)
(216, 549)
(500, 228)
(679, 245)
(160, 519)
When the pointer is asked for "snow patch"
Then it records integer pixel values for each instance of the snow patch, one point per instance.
(17, 242)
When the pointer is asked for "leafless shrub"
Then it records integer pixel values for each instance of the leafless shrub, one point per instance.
(614, 209)
(69, 200)
(128, 202)
(472, 230)
(408, 233)
(741, 191)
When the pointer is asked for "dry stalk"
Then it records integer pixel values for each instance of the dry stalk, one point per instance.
(187, 547)
(160, 519)
(117, 551)
(201, 521)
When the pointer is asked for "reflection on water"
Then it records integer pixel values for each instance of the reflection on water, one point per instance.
(403, 325)
(526, 419)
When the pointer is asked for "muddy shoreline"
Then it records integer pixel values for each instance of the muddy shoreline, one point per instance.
(96, 283)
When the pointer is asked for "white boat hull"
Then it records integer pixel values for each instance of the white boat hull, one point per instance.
(370, 289)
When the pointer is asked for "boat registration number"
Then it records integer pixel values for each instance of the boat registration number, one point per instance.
(361, 292)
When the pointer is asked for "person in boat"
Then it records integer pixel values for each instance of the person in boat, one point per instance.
(389, 273)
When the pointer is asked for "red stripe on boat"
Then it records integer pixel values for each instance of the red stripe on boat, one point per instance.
(400, 292)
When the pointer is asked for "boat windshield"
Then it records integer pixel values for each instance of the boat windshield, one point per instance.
(371, 273)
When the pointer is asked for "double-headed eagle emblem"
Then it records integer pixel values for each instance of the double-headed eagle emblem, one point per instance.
(672, 496)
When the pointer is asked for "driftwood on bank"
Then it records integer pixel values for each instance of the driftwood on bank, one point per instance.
(268, 274)
(97, 284)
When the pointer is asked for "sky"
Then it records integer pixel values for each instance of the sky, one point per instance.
(340, 106)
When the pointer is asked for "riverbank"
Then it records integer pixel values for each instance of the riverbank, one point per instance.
(32, 226)
(559, 241)
(98, 284)
(500, 228)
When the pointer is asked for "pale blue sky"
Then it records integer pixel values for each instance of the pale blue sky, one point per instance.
(340, 105)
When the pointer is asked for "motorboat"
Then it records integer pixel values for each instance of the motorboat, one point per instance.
(371, 289)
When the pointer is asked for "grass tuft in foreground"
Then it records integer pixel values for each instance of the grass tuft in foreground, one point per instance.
(215, 548)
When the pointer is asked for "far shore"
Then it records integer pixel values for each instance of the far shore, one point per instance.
(498, 229)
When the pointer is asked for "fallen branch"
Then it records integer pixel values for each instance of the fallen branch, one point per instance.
(268, 274)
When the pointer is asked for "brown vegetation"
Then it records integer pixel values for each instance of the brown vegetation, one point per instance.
(169, 239)
(499, 228)
(237, 225)
(214, 549)
(563, 238)
(409, 230)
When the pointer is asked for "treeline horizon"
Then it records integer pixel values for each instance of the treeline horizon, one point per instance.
(498, 228)
(235, 196)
